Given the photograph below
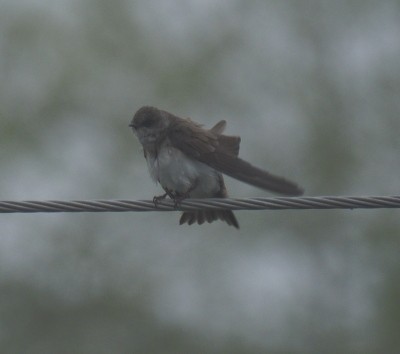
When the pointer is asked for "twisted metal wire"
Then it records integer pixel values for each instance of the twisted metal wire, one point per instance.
(276, 203)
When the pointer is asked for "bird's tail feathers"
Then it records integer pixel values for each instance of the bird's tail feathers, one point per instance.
(201, 216)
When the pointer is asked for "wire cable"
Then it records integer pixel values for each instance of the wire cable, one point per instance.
(275, 203)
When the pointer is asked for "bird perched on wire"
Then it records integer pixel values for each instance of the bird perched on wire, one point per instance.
(188, 161)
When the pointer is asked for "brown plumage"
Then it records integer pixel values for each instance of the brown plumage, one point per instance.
(188, 161)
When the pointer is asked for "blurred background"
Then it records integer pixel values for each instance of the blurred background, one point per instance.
(312, 87)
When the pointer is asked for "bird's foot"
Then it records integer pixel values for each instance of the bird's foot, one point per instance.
(179, 198)
(175, 196)
(159, 198)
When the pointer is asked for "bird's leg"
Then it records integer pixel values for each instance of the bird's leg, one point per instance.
(179, 197)
(159, 198)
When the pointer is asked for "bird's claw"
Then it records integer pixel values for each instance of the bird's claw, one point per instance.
(159, 198)
(177, 198)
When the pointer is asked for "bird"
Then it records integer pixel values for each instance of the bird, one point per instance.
(189, 162)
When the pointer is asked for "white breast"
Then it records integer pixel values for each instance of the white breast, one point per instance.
(175, 171)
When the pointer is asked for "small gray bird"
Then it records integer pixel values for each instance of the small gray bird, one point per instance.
(188, 161)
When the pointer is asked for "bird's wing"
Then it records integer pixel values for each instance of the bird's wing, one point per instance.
(241, 170)
(195, 141)
(221, 153)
